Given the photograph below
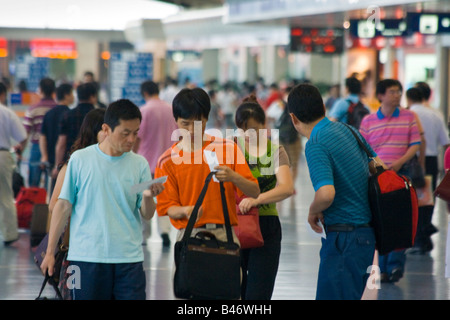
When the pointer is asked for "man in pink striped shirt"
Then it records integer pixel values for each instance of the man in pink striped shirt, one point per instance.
(155, 137)
(392, 131)
(393, 134)
(34, 116)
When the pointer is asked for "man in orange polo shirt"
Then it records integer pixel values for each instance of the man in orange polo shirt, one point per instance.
(186, 168)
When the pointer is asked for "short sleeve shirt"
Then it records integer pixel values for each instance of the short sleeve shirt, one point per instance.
(186, 173)
(105, 225)
(340, 107)
(390, 137)
(335, 158)
(264, 168)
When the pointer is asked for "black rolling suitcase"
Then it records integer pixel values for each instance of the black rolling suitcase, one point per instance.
(40, 216)
(38, 226)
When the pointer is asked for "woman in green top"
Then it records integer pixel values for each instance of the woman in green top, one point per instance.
(269, 163)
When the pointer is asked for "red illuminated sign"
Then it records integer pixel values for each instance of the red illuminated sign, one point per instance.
(3, 48)
(317, 40)
(53, 48)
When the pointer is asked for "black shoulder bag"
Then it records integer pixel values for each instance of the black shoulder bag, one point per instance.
(207, 268)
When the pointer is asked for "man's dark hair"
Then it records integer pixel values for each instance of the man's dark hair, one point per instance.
(414, 94)
(149, 87)
(86, 90)
(122, 109)
(191, 104)
(424, 88)
(2, 88)
(47, 87)
(353, 85)
(383, 85)
(63, 90)
(306, 103)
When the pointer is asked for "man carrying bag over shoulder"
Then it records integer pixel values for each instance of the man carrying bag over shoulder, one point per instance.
(186, 167)
(339, 171)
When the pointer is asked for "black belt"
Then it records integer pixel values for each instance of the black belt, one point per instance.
(211, 226)
(342, 227)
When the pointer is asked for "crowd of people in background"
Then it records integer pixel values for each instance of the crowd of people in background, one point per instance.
(51, 126)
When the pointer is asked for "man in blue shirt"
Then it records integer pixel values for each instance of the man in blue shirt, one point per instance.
(339, 171)
(339, 110)
(105, 225)
(50, 127)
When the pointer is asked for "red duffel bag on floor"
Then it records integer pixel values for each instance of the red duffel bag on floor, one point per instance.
(25, 201)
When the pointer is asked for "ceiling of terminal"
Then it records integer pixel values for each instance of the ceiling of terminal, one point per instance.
(196, 3)
(337, 18)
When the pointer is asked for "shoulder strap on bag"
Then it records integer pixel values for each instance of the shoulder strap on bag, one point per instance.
(54, 285)
(361, 144)
(225, 214)
(378, 167)
(193, 217)
(194, 214)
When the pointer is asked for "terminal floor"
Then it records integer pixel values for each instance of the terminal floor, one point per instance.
(424, 277)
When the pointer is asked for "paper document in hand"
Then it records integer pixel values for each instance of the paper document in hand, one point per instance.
(211, 159)
(141, 187)
(315, 234)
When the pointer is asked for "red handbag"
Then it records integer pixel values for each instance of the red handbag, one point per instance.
(443, 189)
(248, 230)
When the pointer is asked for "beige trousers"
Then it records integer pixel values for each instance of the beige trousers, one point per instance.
(8, 213)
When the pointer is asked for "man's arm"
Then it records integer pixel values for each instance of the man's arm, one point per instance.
(248, 187)
(338, 110)
(323, 198)
(183, 212)
(412, 150)
(376, 162)
(148, 205)
(43, 148)
(60, 215)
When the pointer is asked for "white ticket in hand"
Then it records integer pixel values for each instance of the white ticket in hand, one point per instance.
(141, 187)
(315, 234)
(211, 159)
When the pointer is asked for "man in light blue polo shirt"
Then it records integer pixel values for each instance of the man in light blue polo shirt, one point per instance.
(339, 171)
(105, 225)
(339, 110)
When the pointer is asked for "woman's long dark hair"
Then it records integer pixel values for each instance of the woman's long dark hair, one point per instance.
(249, 109)
(91, 126)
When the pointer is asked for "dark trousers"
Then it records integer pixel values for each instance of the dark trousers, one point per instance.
(344, 261)
(431, 168)
(424, 226)
(109, 281)
(260, 265)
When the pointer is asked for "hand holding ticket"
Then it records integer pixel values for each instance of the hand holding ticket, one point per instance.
(141, 187)
(213, 162)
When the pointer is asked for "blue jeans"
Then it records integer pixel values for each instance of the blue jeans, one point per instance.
(35, 171)
(392, 260)
(109, 281)
(344, 260)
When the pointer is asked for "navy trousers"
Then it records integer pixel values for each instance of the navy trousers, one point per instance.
(344, 261)
(109, 281)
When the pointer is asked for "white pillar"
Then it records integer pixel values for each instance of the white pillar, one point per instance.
(88, 58)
